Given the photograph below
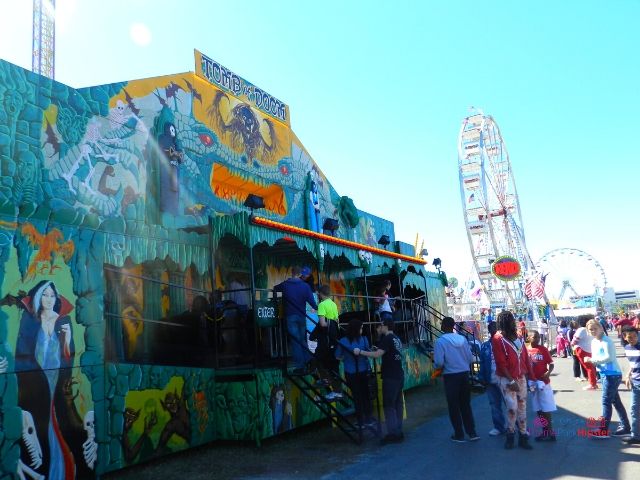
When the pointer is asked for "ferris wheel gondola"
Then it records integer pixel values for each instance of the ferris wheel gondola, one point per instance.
(491, 209)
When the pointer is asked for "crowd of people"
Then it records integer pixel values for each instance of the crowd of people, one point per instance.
(515, 366)
(516, 369)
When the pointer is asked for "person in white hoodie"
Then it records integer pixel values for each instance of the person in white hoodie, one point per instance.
(453, 356)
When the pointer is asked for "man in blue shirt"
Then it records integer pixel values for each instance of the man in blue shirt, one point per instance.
(453, 355)
(296, 294)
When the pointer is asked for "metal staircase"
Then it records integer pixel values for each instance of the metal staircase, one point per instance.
(339, 411)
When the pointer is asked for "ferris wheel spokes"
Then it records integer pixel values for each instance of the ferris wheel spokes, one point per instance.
(490, 205)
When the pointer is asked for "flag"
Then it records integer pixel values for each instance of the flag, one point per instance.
(476, 293)
(534, 287)
(472, 197)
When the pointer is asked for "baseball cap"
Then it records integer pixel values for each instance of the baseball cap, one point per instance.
(305, 271)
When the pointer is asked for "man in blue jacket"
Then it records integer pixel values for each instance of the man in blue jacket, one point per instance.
(296, 294)
(490, 380)
(453, 355)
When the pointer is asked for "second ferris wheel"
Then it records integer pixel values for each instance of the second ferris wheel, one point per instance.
(492, 211)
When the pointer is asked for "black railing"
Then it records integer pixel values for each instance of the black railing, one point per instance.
(338, 411)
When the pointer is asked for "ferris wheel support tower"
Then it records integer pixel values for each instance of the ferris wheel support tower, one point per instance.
(44, 38)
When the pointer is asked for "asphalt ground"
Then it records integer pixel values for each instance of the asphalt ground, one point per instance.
(428, 453)
(320, 451)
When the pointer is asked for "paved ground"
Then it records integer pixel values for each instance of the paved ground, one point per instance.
(427, 451)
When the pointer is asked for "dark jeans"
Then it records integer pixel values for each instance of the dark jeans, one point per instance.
(611, 398)
(496, 402)
(392, 404)
(577, 368)
(358, 383)
(458, 392)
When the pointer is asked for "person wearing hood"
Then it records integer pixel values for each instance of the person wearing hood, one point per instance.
(453, 356)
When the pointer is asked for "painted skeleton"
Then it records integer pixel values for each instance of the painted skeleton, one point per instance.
(90, 447)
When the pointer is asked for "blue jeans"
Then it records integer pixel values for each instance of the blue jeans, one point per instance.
(635, 406)
(497, 413)
(611, 398)
(297, 329)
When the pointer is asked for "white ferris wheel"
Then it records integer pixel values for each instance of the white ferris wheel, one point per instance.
(571, 275)
(491, 208)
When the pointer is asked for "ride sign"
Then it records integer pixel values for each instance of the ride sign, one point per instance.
(506, 268)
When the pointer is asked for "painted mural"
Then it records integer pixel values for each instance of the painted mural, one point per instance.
(42, 347)
(101, 191)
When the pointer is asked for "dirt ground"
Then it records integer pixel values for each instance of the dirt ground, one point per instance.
(306, 453)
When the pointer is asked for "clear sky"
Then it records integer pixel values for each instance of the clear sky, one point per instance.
(377, 91)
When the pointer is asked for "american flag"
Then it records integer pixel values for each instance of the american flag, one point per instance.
(534, 287)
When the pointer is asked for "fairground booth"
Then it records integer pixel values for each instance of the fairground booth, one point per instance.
(143, 227)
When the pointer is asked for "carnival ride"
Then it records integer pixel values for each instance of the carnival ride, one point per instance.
(491, 210)
(572, 276)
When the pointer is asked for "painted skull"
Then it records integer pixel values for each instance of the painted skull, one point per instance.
(89, 424)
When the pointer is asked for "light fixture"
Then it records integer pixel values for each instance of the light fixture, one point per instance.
(331, 225)
(384, 241)
(254, 202)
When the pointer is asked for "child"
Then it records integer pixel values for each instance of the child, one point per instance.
(326, 334)
(542, 399)
(632, 351)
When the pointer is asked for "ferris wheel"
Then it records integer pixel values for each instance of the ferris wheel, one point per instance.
(571, 274)
(491, 208)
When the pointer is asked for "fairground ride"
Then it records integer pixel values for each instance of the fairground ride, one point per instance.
(573, 277)
(491, 211)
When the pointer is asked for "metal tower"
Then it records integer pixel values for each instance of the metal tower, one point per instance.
(44, 37)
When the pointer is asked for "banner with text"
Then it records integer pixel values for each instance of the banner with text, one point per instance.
(223, 78)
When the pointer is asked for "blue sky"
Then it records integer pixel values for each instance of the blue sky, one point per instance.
(377, 91)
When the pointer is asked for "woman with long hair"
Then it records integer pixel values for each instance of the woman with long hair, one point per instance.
(44, 356)
(281, 410)
(603, 355)
(357, 371)
(513, 366)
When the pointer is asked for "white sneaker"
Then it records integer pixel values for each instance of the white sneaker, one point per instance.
(578, 379)
(494, 432)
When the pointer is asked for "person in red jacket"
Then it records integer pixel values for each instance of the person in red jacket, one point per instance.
(512, 368)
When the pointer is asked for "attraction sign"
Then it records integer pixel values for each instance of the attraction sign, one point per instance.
(506, 268)
(230, 82)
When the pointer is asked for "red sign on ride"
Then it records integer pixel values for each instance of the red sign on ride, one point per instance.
(506, 268)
